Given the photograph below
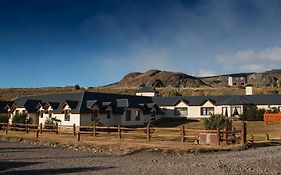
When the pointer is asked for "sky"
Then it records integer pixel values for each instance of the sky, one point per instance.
(97, 42)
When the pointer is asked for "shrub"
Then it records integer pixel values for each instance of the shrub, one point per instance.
(4, 118)
(51, 121)
(21, 118)
(253, 114)
(217, 121)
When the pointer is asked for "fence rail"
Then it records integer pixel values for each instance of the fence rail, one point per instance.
(156, 133)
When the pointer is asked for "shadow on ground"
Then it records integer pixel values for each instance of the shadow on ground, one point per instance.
(59, 170)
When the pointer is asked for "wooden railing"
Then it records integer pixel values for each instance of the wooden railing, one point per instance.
(267, 117)
(145, 133)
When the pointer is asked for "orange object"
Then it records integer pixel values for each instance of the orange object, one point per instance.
(272, 118)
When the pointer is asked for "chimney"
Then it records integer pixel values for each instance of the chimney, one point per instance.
(249, 90)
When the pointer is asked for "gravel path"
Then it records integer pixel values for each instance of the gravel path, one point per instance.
(22, 158)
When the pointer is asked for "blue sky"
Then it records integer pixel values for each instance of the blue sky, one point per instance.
(97, 42)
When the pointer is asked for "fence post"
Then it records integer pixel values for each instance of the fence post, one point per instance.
(182, 134)
(78, 137)
(74, 129)
(119, 132)
(57, 128)
(218, 137)
(4, 126)
(15, 127)
(6, 131)
(225, 135)
(243, 133)
(41, 128)
(26, 127)
(266, 137)
(37, 133)
(148, 132)
(94, 130)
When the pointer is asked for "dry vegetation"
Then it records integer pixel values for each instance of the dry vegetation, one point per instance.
(12, 93)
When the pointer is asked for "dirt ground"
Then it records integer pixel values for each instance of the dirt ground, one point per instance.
(25, 157)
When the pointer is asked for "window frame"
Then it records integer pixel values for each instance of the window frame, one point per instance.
(137, 115)
(67, 115)
(206, 111)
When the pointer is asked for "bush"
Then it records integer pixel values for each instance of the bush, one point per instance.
(4, 118)
(217, 121)
(252, 114)
(21, 118)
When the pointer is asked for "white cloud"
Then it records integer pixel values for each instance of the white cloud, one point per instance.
(252, 60)
(205, 73)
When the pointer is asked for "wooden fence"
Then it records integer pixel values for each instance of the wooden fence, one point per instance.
(145, 133)
(272, 118)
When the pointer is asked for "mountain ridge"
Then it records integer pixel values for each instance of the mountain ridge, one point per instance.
(157, 78)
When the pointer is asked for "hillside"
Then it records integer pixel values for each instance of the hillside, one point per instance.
(167, 83)
(157, 78)
(12, 93)
(268, 78)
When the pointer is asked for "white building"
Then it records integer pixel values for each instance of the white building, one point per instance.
(81, 108)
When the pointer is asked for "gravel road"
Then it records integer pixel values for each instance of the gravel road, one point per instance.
(23, 158)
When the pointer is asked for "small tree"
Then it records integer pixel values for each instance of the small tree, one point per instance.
(217, 121)
(21, 118)
(252, 114)
(96, 121)
(51, 121)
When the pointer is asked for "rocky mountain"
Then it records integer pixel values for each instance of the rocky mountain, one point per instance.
(157, 78)
(269, 78)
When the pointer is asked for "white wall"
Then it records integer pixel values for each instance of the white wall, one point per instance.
(146, 94)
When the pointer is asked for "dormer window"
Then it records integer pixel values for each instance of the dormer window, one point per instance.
(66, 115)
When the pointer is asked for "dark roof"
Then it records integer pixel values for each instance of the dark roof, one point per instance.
(3, 105)
(221, 100)
(79, 102)
(235, 100)
(54, 105)
(146, 89)
(91, 103)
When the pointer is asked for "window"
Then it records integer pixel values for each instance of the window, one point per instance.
(235, 111)
(234, 84)
(128, 115)
(66, 115)
(180, 111)
(225, 111)
(108, 113)
(94, 115)
(137, 115)
(207, 110)
(24, 111)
